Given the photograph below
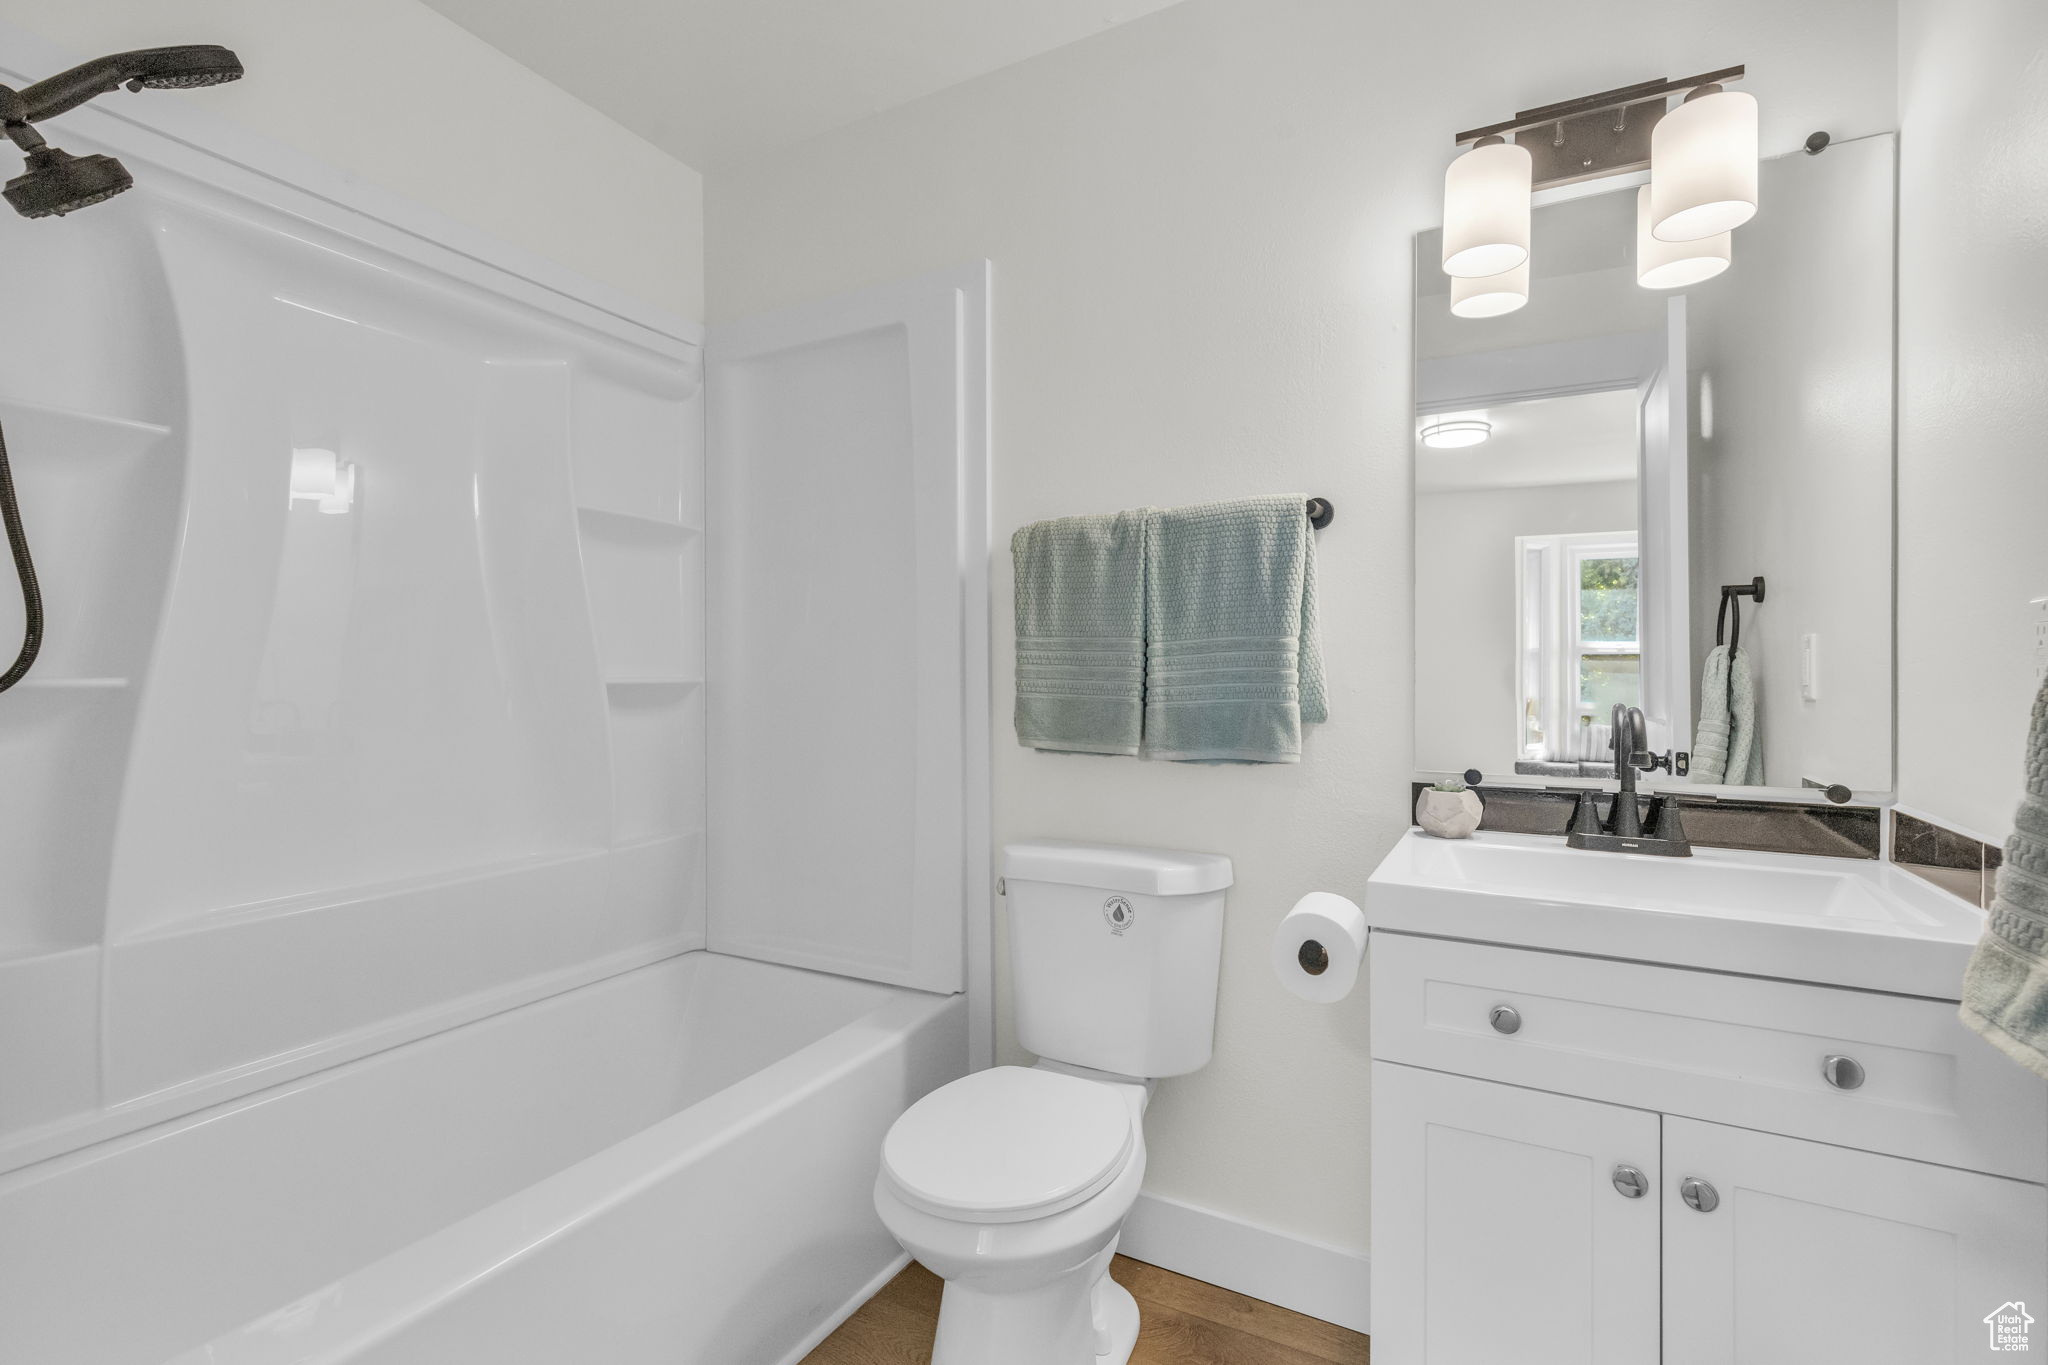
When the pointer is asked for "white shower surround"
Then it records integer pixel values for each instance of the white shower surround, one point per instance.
(290, 788)
(471, 844)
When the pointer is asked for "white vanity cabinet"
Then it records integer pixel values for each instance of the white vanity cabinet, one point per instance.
(1587, 1161)
(1817, 1253)
(1498, 1232)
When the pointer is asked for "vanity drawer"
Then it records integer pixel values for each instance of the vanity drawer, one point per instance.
(1729, 1049)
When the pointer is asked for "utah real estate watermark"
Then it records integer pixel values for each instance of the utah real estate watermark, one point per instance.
(2007, 1325)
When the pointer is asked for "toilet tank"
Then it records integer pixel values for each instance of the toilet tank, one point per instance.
(1114, 954)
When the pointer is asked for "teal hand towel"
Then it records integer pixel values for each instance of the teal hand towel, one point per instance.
(1081, 633)
(1710, 740)
(1727, 747)
(2005, 988)
(1745, 741)
(1234, 663)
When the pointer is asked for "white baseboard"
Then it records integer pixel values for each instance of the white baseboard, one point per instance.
(1309, 1277)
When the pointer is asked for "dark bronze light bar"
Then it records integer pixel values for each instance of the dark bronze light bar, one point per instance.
(1594, 135)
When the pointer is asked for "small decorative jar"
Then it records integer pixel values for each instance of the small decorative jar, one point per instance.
(1449, 810)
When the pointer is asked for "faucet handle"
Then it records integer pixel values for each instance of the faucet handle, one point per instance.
(1586, 815)
(1666, 823)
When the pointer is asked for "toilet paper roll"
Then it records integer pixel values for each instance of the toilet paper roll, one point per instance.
(1319, 946)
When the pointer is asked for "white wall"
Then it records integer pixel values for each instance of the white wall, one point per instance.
(1973, 399)
(390, 91)
(1202, 227)
(1467, 673)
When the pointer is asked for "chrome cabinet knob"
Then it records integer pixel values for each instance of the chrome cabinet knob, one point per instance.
(1505, 1019)
(1843, 1073)
(1630, 1182)
(1698, 1194)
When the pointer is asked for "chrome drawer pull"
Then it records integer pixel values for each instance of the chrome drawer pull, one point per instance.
(1698, 1194)
(1505, 1019)
(1630, 1182)
(1843, 1073)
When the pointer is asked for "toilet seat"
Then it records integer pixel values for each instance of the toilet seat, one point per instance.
(1008, 1144)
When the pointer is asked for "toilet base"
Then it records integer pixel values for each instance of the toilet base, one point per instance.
(1116, 1322)
(1079, 1317)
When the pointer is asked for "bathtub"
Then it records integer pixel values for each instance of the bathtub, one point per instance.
(674, 1165)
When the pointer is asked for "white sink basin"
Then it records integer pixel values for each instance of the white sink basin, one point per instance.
(1833, 920)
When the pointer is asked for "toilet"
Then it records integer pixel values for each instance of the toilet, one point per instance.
(1012, 1184)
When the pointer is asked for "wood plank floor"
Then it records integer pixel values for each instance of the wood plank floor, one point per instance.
(1183, 1322)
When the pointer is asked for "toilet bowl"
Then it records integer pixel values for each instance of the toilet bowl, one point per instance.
(1012, 1186)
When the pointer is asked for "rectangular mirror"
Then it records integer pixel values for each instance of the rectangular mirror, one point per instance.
(1596, 469)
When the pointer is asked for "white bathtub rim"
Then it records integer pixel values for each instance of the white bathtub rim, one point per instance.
(373, 1304)
(81, 1137)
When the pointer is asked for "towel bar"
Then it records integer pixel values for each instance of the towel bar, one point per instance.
(1320, 513)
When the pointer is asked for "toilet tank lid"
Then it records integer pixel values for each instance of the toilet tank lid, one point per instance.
(1136, 871)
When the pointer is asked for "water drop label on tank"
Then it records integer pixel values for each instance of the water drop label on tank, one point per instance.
(1118, 913)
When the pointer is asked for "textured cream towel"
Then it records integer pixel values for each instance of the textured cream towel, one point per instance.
(2005, 989)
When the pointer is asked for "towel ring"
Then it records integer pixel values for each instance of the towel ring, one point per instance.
(1754, 589)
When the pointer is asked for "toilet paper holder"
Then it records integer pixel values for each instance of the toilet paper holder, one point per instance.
(1319, 947)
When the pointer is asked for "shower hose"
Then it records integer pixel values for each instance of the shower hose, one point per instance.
(25, 570)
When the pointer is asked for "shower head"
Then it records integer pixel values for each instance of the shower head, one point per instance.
(185, 68)
(151, 68)
(58, 183)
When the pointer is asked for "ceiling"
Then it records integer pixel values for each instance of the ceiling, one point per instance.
(1580, 438)
(715, 81)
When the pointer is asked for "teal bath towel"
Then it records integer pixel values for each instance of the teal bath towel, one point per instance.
(1234, 663)
(1081, 633)
(2005, 989)
(1726, 747)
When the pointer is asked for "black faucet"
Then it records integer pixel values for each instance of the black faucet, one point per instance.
(1624, 831)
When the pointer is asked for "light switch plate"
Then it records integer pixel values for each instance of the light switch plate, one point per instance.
(1809, 667)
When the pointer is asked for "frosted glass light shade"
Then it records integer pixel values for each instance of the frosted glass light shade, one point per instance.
(1489, 296)
(1674, 265)
(1703, 167)
(1455, 431)
(1486, 211)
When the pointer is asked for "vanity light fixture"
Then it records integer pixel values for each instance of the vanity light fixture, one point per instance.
(1674, 265)
(1702, 185)
(1456, 431)
(1486, 210)
(1491, 295)
(1703, 165)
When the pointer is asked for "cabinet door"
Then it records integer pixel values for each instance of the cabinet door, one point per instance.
(1820, 1253)
(1498, 1231)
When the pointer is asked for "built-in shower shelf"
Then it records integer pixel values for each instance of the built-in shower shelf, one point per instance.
(607, 521)
(35, 430)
